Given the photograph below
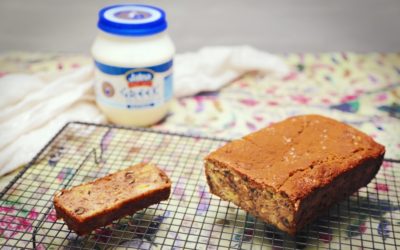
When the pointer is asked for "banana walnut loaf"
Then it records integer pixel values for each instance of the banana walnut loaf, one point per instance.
(290, 172)
(97, 203)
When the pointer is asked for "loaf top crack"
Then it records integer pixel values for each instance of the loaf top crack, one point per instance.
(298, 155)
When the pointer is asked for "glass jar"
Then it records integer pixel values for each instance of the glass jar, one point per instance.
(133, 56)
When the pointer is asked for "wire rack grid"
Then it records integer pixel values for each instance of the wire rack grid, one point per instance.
(192, 218)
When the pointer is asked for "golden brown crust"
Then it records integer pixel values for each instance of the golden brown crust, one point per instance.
(341, 187)
(299, 156)
(97, 203)
(310, 143)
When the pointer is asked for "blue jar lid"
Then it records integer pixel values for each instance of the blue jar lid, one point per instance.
(132, 20)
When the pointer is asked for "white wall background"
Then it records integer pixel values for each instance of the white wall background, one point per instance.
(272, 25)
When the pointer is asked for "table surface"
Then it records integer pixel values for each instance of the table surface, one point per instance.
(360, 89)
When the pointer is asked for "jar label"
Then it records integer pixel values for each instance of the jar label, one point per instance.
(133, 88)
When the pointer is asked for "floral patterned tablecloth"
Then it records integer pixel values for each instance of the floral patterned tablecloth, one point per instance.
(360, 89)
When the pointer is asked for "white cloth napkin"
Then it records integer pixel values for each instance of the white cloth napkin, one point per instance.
(34, 107)
(212, 67)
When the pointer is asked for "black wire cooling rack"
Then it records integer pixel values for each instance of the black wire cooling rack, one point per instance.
(192, 218)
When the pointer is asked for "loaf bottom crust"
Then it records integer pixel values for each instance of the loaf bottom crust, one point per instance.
(275, 207)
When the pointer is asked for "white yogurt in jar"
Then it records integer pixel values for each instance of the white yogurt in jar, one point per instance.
(133, 57)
